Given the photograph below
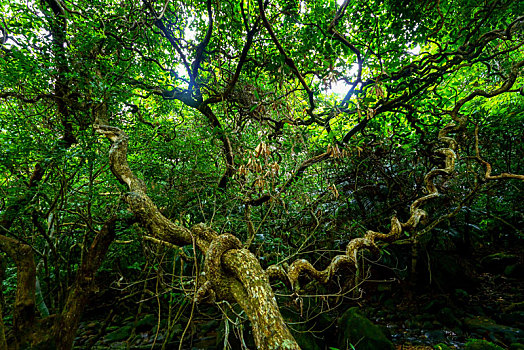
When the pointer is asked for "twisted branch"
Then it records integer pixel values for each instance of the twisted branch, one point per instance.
(303, 267)
(488, 175)
(213, 265)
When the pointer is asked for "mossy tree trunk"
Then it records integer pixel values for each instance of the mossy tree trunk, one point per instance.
(56, 331)
(24, 306)
(67, 323)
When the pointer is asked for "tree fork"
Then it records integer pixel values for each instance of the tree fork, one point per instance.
(67, 323)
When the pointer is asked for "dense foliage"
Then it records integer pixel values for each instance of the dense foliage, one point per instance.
(296, 126)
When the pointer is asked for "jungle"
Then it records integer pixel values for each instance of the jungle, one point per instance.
(262, 174)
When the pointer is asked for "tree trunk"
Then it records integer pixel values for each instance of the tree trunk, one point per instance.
(254, 294)
(24, 308)
(66, 324)
(55, 331)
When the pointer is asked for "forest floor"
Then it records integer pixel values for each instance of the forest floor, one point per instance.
(491, 307)
(495, 312)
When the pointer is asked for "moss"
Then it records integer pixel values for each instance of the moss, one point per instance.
(441, 347)
(360, 332)
(120, 334)
(480, 344)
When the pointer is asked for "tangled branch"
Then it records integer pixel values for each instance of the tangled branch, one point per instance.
(488, 175)
(303, 267)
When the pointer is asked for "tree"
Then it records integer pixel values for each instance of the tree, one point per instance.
(230, 108)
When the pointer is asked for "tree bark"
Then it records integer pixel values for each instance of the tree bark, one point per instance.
(55, 331)
(255, 296)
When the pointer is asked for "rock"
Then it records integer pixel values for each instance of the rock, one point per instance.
(484, 326)
(480, 344)
(146, 323)
(359, 332)
(435, 336)
(448, 318)
(498, 262)
(121, 333)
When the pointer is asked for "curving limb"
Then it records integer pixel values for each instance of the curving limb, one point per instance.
(417, 214)
(487, 175)
(303, 267)
(230, 273)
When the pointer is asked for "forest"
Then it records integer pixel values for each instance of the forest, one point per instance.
(262, 174)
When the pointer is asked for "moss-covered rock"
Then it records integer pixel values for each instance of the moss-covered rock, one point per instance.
(146, 323)
(486, 327)
(361, 333)
(498, 262)
(480, 344)
(119, 334)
